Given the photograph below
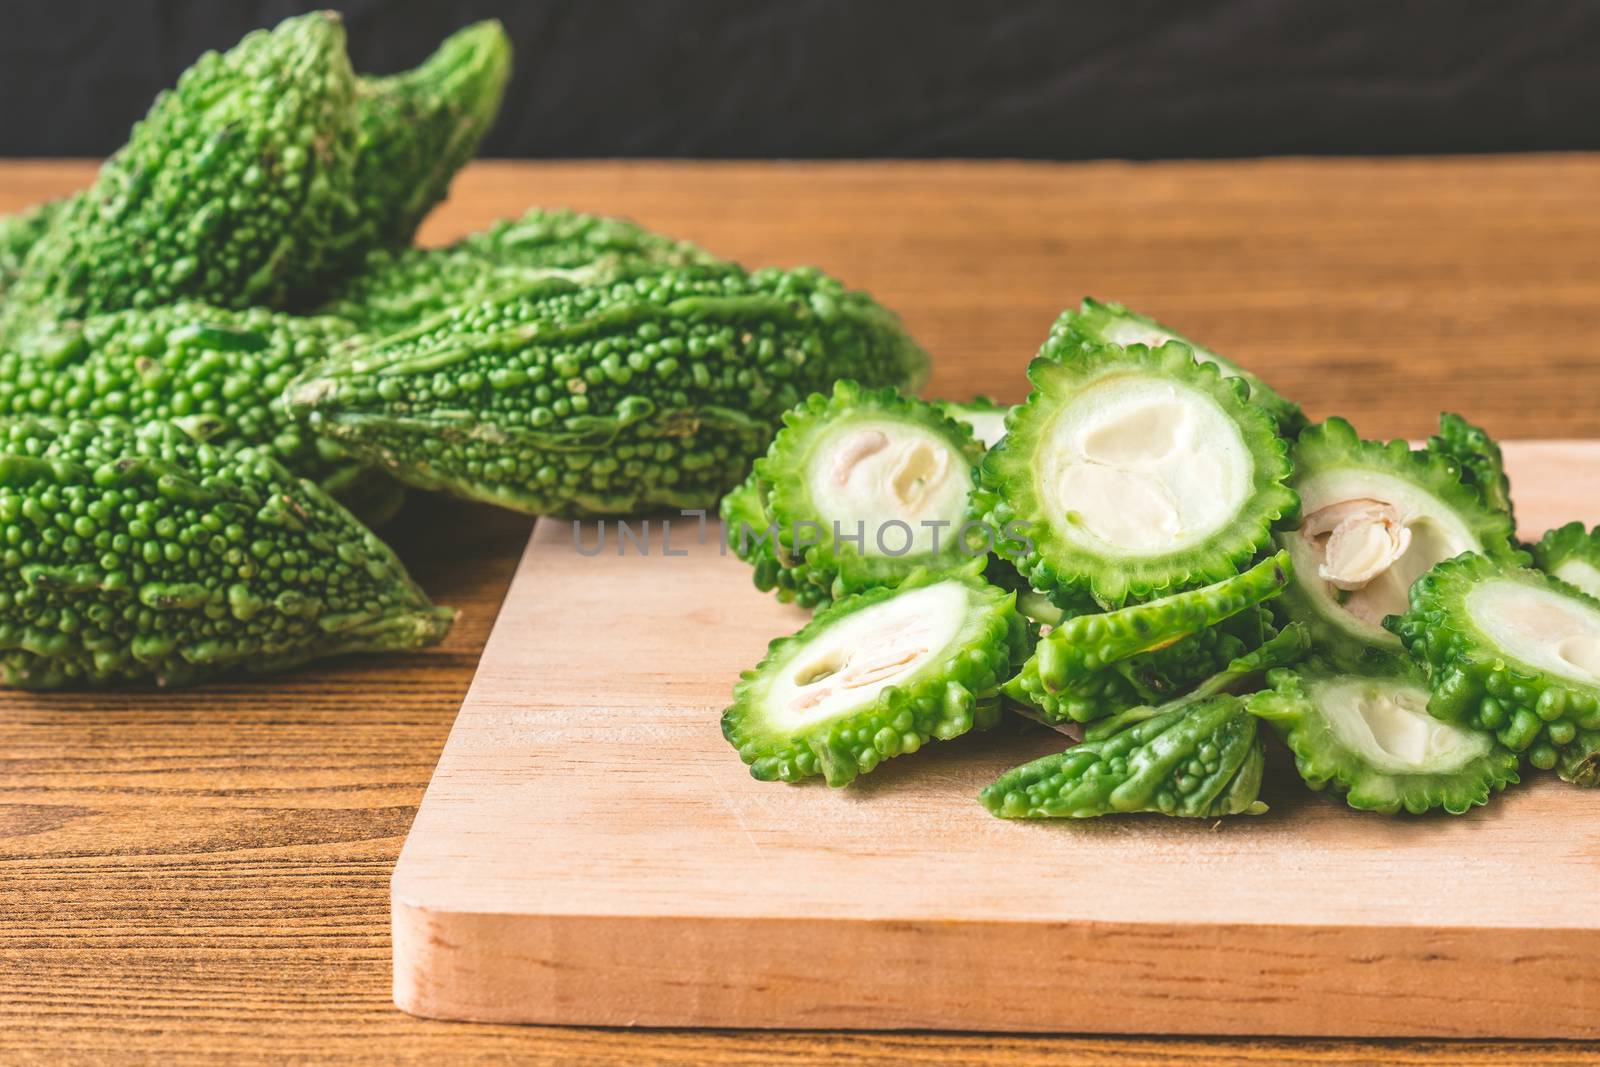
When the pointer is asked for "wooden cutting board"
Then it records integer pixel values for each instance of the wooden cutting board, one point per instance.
(591, 851)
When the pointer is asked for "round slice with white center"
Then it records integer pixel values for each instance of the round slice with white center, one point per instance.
(1374, 517)
(1104, 323)
(985, 418)
(1572, 554)
(1132, 473)
(877, 675)
(1370, 737)
(865, 486)
(1509, 650)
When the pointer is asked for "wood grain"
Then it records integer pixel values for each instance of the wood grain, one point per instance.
(186, 877)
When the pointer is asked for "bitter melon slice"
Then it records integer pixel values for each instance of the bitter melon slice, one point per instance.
(983, 416)
(1482, 466)
(1370, 737)
(876, 675)
(1572, 554)
(1374, 517)
(1108, 323)
(1196, 760)
(1509, 650)
(1072, 673)
(865, 486)
(1134, 473)
(751, 534)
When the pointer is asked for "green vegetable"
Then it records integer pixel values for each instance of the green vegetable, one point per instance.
(137, 554)
(1135, 474)
(20, 232)
(1482, 466)
(1370, 737)
(229, 191)
(1196, 761)
(983, 416)
(1102, 324)
(654, 390)
(1374, 517)
(414, 130)
(1510, 651)
(1572, 554)
(870, 465)
(399, 289)
(1076, 670)
(876, 675)
(217, 372)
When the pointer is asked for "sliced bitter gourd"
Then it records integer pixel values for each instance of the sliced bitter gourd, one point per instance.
(1482, 466)
(1370, 737)
(866, 486)
(1509, 650)
(1374, 517)
(750, 532)
(1134, 473)
(983, 416)
(1115, 324)
(877, 675)
(1572, 554)
(1196, 760)
(1073, 672)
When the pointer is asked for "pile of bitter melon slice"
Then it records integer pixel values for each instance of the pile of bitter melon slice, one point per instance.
(1156, 554)
(223, 361)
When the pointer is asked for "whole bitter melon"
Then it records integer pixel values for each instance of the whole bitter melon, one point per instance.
(1105, 323)
(229, 191)
(398, 289)
(877, 675)
(654, 390)
(860, 488)
(1136, 473)
(136, 554)
(1374, 517)
(1510, 651)
(219, 373)
(1370, 737)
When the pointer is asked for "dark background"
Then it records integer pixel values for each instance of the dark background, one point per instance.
(863, 78)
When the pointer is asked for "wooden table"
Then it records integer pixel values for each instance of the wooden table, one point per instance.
(196, 874)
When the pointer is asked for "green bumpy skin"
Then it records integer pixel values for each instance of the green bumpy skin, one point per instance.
(747, 528)
(812, 436)
(1482, 466)
(1109, 323)
(217, 372)
(951, 689)
(983, 416)
(20, 232)
(655, 390)
(229, 191)
(1334, 449)
(398, 289)
(1338, 746)
(1199, 760)
(1572, 554)
(1012, 489)
(139, 555)
(1073, 672)
(416, 129)
(1476, 681)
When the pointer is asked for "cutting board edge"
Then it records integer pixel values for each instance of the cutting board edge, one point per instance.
(1258, 980)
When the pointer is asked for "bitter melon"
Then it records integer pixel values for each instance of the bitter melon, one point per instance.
(1482, 466)
(654, 390)
(1136, 473)
(398, 289)
(860, 488)
(1098, 324)
(136, 554)
(1074, 672)
(1374, 517)
(1196, 761)
(217, 372)
(876, 675)
(983, 416)
(1572, 554)
(1509, 650)
(20, 232)
(229, 191)
(1370, 737)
